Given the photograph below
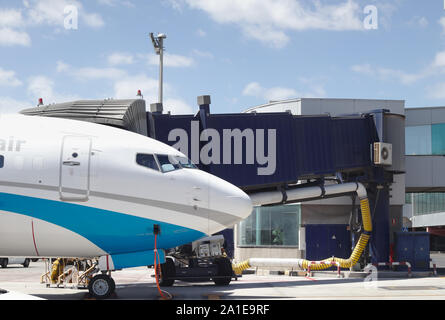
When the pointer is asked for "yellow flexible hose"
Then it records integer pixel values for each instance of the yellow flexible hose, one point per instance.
(327, 263)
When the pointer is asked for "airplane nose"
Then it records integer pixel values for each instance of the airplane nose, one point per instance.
(227, 198)
(240, 202)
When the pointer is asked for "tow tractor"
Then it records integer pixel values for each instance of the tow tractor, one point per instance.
(199, 261)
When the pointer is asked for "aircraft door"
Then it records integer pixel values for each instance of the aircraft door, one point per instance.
(74, 183)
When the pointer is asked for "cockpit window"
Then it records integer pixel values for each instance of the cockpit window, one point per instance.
(185, 162)
(171, 163)
(147, 160)
(168, 163)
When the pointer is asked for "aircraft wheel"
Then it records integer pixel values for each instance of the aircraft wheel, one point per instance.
(26, 263)
(224, 270)
(4, 263)
(168, 271)
(101, 286)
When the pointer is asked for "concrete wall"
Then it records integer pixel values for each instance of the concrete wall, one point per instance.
(335, 107)
(425, 173)
(429, 220)
(424, 116)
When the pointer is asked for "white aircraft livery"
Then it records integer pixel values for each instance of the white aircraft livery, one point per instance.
(76, 189)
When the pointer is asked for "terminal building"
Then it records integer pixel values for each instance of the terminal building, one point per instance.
(281, 231)
(419, 193)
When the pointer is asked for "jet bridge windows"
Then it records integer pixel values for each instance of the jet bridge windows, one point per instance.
(148, 161)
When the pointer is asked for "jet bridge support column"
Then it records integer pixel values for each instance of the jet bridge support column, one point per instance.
(379, 242)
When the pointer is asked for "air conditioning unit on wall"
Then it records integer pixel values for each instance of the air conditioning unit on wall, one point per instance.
(382, 153)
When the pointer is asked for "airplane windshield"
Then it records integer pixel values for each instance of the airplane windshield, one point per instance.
(171, 163)
(168, 164)
(185, 162)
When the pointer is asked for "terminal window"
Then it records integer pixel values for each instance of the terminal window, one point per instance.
(271, 226)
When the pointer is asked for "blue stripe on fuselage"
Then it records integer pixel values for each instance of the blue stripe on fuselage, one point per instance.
(111, 231)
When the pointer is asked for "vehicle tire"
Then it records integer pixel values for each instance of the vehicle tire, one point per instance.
(168, 273)
(35, 259)
(26, 263)
(224, 270)
(4, 263)
(101, 286)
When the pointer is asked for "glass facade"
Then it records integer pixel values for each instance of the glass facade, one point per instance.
(425, 140)
(418, 140)
(426, 203)
(271, 226)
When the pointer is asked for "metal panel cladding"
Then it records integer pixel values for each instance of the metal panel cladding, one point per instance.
(305, 146)
(313, 145)
(351, 139)
(246, 175)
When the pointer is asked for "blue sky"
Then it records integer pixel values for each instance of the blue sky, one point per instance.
(242, 53)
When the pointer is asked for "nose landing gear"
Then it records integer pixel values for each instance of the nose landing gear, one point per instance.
(101, 286)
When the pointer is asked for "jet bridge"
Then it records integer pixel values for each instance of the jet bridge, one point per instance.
(275, 153)
(311, 151)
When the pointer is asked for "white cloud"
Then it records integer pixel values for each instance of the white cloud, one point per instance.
(93, 20)
(10, 37)
(390, 73)
(43, 87)
(8, 79)
(99, 73)
(91, 73)
(62, 66)
(437, 91)
(11, 105)
(281, 93)
(439, 60)
(177, 106)
(52, 12)
(201, 33)
(171, 60)
(442, 23)
(114, 3)
(419, 21)
(11, 28)
(203, 54)
(118, 58)
(124, 86)
(434, 68)
(11, 18)
(127, 88)
(269, 20)
(14, 22)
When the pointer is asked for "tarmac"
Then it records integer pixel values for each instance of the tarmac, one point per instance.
(138, 284)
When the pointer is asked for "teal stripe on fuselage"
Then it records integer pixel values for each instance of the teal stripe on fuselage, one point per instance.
(111, 231)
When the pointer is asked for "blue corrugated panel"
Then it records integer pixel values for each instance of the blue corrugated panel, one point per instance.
(413, 247)
(352, 138)
(327, 240)
(313, 136)
(247, 174)
(305, 146)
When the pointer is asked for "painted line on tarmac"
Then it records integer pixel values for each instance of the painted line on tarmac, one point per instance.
(311, 279)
